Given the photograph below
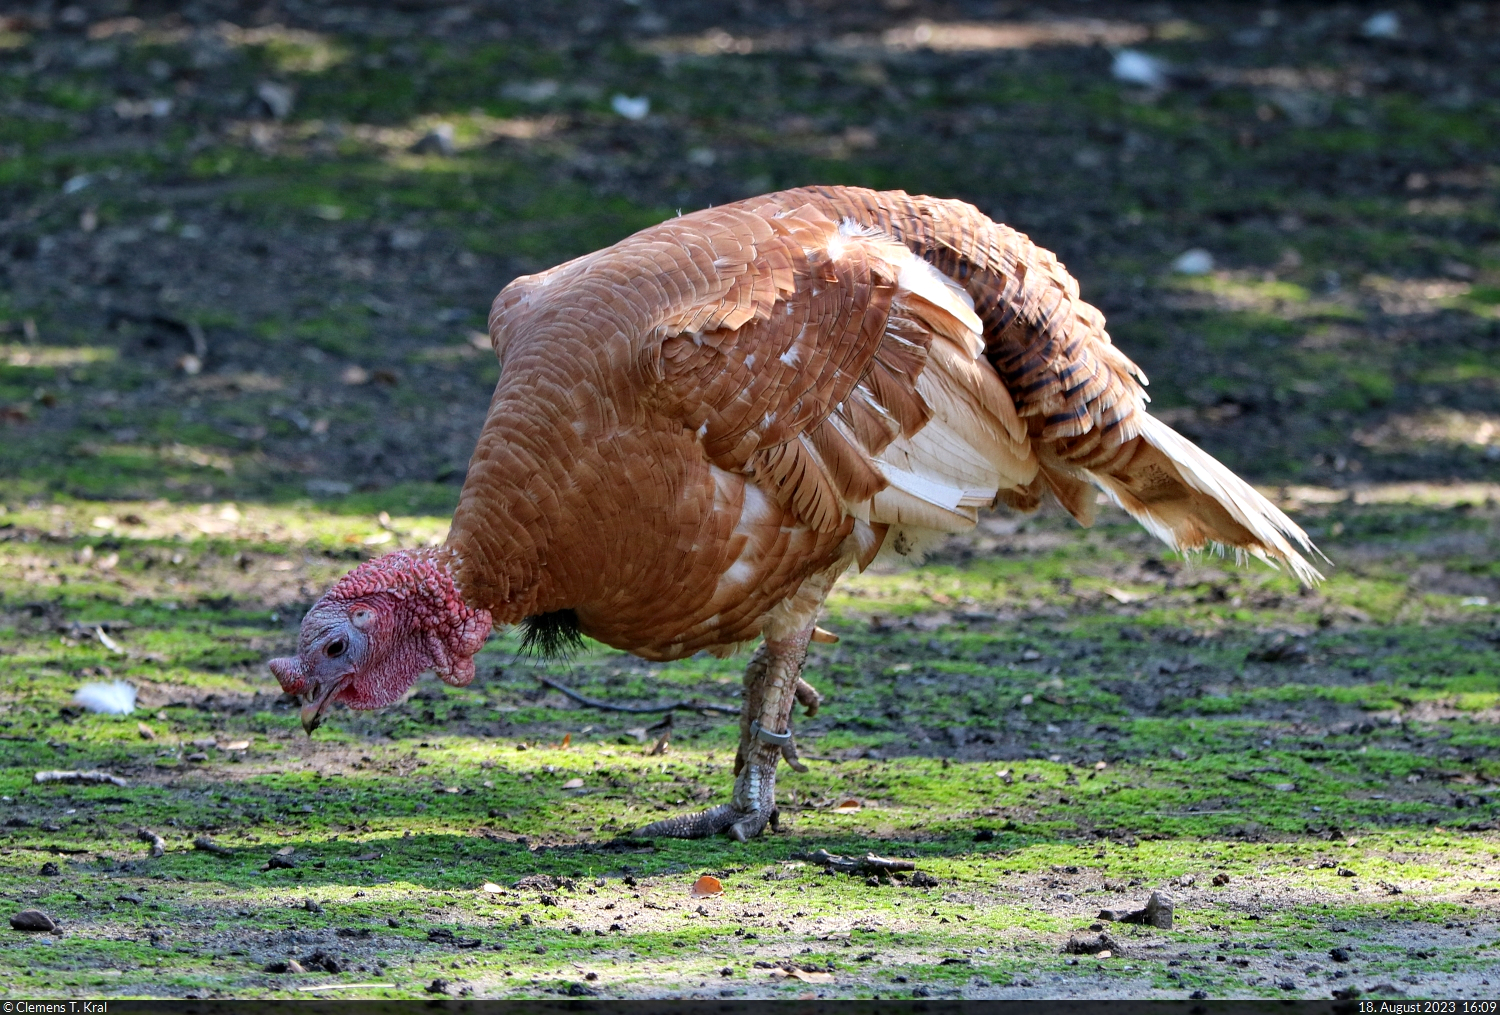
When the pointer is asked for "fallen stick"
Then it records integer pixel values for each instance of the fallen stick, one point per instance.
(691, 706)
(158, 844)
(61, 775)
(208, 845)
(867, 864)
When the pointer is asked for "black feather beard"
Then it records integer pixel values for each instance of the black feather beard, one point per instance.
(551, 635)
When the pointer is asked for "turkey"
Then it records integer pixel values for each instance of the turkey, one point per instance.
(697, 430)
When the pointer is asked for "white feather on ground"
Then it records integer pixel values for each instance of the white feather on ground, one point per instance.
(116, 698)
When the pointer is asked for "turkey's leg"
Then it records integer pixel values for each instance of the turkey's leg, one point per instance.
(771, 688)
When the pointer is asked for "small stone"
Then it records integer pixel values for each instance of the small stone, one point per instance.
(1347, 993)
(437, 141)
(33, 920)
(921, 879)
(576, 989)
(50, 870)
(1083, 946)
(275, 967)
(1287, 984)
(1158, 911)
(1339, 954)
(1198, 995)
(1345, 872)
(278, 98)
(311, 906)
(322, 960)
(1196, 261)
(1221, 879)
(438, 986)
(920, 992)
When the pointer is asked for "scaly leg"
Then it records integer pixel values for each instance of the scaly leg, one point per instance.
(772, 681)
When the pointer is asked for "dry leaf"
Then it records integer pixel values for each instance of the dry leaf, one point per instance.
(491, 887)
(848, 807)
(566, 740)
(705, 886)
(807, 977)
(573, 784)
(235, 745)
(145, 731)
(1104, 954)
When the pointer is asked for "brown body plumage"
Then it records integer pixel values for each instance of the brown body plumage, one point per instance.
(698, 429)
(693, 422)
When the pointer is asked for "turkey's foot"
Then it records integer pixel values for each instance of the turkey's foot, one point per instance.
(742, 822)
(771, 680)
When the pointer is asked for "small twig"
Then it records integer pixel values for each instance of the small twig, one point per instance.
(208, 845)
(691, 706)
(867, 864)
(158, 844)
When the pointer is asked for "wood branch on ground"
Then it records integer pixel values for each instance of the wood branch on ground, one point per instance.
(62, 775)
(867, 864)
(690, 706)
(158, 844)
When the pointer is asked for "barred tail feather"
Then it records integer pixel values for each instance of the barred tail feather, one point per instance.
(1190, 501)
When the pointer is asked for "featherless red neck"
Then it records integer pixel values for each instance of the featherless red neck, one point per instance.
(371, 635)
(422, 580)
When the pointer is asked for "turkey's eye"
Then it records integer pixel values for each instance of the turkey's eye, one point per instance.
(334, 649)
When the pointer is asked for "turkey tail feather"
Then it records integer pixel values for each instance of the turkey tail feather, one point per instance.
(1191, 502)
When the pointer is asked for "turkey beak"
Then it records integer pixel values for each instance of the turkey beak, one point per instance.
(318, 700)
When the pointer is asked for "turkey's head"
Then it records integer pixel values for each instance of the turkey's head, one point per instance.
(371, 635)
